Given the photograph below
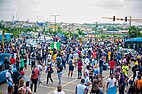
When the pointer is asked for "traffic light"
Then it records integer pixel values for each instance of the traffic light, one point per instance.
(125, 19)
(113, 18)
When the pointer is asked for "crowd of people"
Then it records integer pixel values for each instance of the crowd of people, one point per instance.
(89, 58)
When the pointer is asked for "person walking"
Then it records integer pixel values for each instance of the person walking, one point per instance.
(34, 78)
(71, 67)
(59, 72)
(81, 88)
(111, 82)
(49, 71)
(112, 64)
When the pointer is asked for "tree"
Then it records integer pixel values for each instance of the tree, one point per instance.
(80, 32)
(134, 32)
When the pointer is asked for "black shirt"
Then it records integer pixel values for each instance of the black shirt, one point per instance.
(60, 67)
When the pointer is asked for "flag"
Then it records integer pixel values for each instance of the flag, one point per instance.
(55, 45)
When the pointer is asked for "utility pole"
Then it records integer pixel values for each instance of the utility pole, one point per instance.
(2, 38)
(55, 18)
(130, 20)
(96, 31)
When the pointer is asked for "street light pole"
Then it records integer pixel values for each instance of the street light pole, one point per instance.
(55, 18)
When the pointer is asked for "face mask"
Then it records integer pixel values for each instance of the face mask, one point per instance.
(111, 77)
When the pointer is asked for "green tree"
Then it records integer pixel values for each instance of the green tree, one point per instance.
(134, 32)
(80, 32)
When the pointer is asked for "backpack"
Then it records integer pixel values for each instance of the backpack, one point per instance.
(70, 62)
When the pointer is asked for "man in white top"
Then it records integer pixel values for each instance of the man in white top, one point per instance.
(81, 88)
(87, 81)
(40, 72)
(9, 77)
(59, 90)
(111, 82)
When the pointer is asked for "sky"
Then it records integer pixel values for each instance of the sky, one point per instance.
(72, 11)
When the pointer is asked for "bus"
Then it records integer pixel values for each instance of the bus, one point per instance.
(134, 43)
(7, 36)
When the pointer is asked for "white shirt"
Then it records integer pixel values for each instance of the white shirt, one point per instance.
(8, 75)
(111, 82)
(49, 57)
(80, 88)
(39, 68)
(87, 80)
(56, 92)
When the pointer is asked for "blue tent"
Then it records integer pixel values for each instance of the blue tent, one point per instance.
(134, 40)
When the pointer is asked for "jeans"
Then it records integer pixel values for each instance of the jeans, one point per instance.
(121, 89)
(79, 73)
(64, 64)
(39, 80)
(49, 76)
(111, 71)
(59, 77)
(34, 81)
(101, 70)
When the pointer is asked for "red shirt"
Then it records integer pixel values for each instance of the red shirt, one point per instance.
(80, 65)
(94, 54)
(35, 74)
(112, 64)
(12, 60)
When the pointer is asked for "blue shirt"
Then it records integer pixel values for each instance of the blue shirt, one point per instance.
(80, 89)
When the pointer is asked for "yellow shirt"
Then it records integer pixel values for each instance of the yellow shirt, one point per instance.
(136, 63)
(125, 69)
(54, 57)
(109, 53)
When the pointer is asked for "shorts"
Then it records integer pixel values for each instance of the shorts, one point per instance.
(71, 68)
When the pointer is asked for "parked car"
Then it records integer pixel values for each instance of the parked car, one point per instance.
(125, 51)
(2, 66)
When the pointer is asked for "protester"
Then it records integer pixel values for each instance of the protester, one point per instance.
(9, 75)
(59, 72)
(34, 78)
(49, 71)
(81, 88)
(59, 90)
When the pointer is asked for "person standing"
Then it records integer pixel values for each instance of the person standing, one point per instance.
(138, 84)
(40, 72)
(22, 62)
(64, 61)
(49, 71)
(87, 81)
(34, 78)
(101, 66)
(125, 69)
(81, 88)
(112, 64)
(9, 77)
(80, 65)
(12, 60)
(71, 67)
(59, 72)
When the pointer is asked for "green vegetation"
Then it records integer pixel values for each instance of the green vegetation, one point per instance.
(134, 32)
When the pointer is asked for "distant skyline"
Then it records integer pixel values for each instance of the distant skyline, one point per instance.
(72, 11)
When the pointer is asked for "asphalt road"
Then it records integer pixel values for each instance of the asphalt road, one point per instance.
(68, 83)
